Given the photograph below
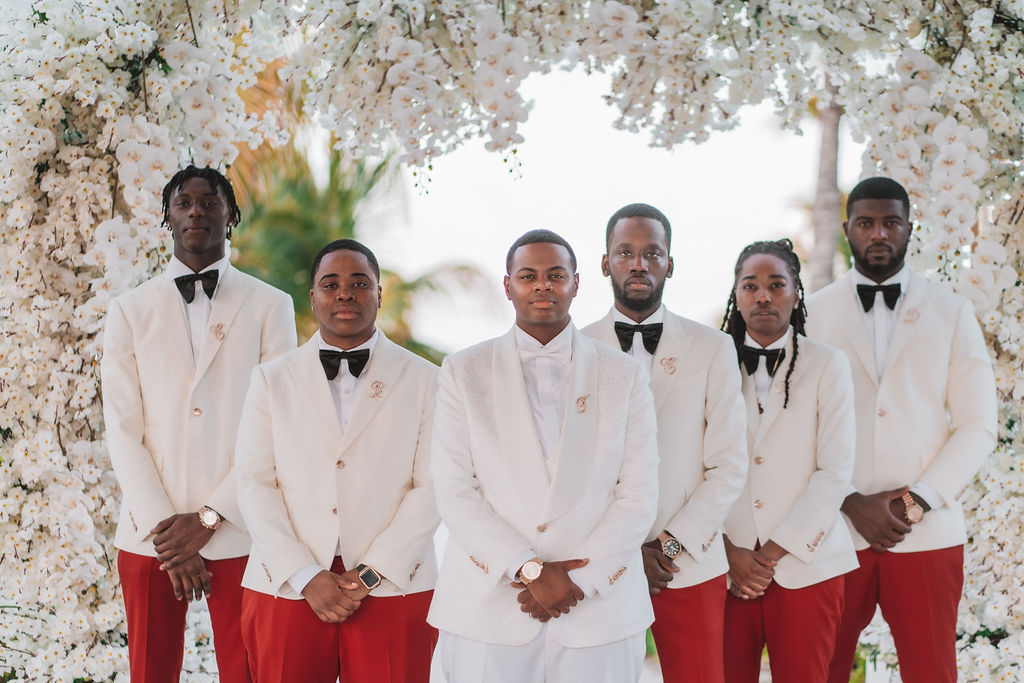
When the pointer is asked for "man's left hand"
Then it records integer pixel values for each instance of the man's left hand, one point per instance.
(178, 538)
(352, 576)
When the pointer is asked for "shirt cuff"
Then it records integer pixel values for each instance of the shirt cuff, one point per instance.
(520, 560)
(929, 494)
(301, 578)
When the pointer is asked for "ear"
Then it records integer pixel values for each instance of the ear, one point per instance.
(508, 294)
(605, 270)
(846, 229)
(575, 284)
(380, 296)
(671, 267)
(311, 298)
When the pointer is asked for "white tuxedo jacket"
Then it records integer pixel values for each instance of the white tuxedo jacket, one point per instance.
(303, 483)
(498, 501)
(932, 417)
(801, 461)
(701, 421)
(170, 421)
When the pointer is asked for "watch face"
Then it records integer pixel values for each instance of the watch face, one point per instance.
(915, 513)
(531, 570)
(671, 547)
(210, 517)
(369, 577)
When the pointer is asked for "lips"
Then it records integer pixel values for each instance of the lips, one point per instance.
(543, 303)
(637, 283)
(346, 313)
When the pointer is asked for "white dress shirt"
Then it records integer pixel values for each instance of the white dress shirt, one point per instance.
(638, 350)
(197, 313)
(546, 373)
(343, 391)
(881, 321)
(762, 380)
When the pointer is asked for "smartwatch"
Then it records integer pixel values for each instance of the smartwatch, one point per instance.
(368, 577)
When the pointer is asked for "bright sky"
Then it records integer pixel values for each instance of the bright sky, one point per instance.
(740, 186)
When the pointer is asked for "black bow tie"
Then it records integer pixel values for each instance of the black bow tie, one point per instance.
(773, 358)
(331, 360)
(891, 293)
(651, 335)
(187, 284)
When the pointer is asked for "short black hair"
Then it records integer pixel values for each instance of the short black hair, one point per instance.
(344, 245)
(878, 187)
(540, 236)
(217, 181)
(638, 210)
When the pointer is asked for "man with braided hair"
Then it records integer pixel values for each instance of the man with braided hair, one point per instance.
(701, 421)
(787, 544)
(926, 419)
(178, 351)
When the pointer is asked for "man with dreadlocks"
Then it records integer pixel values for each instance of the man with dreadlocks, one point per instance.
(787, 544)
(701, 421)
(926, 419)
(178, 352)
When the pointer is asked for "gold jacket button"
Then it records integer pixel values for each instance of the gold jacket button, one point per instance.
(340, 464)
(758, 460)
(542, 528)
(197, 412)
(881, 412)
(758, 504)
(334, 511)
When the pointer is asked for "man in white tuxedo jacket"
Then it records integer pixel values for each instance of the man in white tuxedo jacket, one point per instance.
(925, 404)
(178, 351)
(333, 484)
(545, 469)
(701, 424)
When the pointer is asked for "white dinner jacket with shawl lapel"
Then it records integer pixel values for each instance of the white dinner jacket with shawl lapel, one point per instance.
(171, 421)
(701, 422)
(932, 417)
(801, 463)
(303, 482)
(496, 498)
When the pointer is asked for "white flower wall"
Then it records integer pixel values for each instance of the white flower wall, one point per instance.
(101, 101)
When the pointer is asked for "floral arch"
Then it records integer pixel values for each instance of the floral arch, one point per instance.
(100, 100)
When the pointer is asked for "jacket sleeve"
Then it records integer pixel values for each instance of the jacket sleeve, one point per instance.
(137, 475)
(616, 540)
(724, 457)
(490, 541)
(971, 402)
(817, 507)
(396, 550)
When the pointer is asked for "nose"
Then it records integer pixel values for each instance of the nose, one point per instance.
(879, 232)
(195, 209)
(763, 295)
(639, 264)
(542, 284)
(344, 293)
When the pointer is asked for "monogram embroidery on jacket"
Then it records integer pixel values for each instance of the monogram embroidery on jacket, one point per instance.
(668, 365)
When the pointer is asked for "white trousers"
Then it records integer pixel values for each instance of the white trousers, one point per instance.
(542, 660)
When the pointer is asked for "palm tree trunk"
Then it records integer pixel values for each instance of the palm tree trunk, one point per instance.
(826, 214)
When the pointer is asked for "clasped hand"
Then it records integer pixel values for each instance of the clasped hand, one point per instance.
(335, 597)
(750, 571)
(553, 593)
(658, 566)
(878, 517)
(177, 541)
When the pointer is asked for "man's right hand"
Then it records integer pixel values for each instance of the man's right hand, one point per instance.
(873, 518)
(658, 566)
(189, 579)
(326, 596)
(554, 590)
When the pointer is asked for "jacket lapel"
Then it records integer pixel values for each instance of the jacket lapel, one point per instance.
(906, 323)
(520, 446)
(668, 357)
(773, 404)
(577, 445)
(227, 302)
(849, 316)
(311, 382)
(378, 380)
(171, 316)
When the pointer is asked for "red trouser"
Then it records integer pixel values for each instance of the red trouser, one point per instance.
(387, 640)
(919, 594)
(156, 619)
(799, 627)
(688, 631)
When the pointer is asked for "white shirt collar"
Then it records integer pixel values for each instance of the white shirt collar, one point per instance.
(369, 344)
(175, 268)
(777, 344)
(657, 317)
(902, 278)
(559, 348)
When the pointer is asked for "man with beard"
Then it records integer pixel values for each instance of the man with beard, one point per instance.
(545, 467)
(701, 441)
(926, 419)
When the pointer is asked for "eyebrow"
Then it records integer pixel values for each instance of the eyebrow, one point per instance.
(328, 275)
(775, 276)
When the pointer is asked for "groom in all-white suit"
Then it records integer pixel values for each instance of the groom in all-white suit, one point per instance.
(925, 402)
(333, 483)
(545, 465)
(177, 354)
(701, 426)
